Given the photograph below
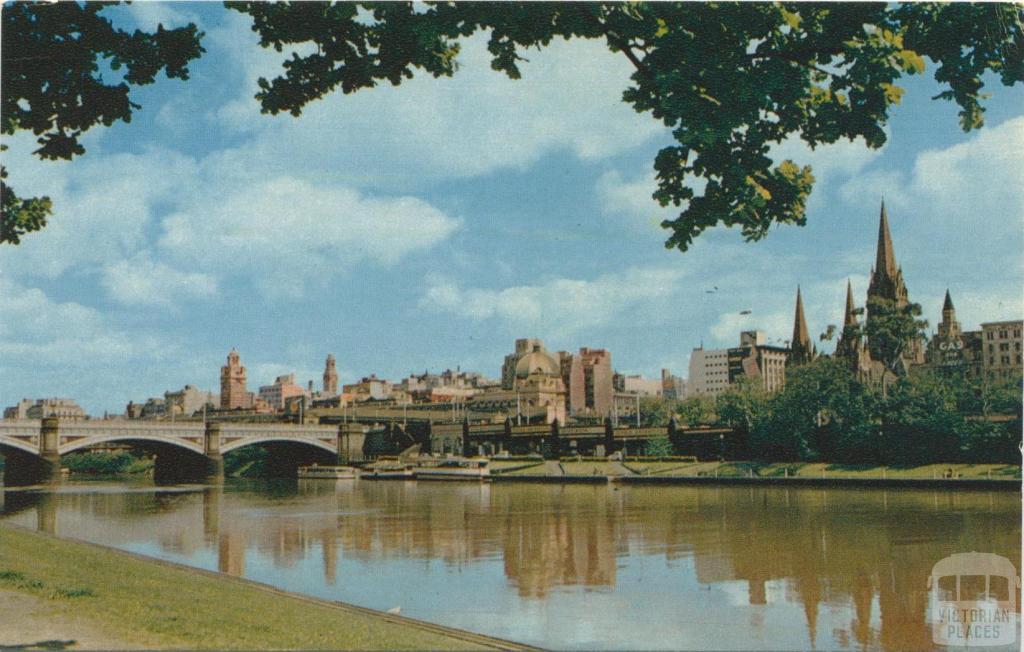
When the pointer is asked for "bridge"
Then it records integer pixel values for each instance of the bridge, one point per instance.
(185, 451)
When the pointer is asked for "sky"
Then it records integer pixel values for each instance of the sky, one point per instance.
(428, 226)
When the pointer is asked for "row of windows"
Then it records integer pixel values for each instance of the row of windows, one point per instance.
(1004, 359)
(1003, 334)
(1004, 346)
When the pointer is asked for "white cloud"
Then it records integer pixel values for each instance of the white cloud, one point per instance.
(777, 325)
(141, 281)
(946, 181)
(631, 198)
(38, 330)
(560, 306)
(284, 231)
(478, 121)
(830, 164)
(102, 206)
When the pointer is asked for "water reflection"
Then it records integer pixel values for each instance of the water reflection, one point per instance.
(572, 566)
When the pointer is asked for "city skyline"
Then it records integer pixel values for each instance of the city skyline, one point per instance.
(438, 247)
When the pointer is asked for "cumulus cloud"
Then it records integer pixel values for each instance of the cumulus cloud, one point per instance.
(142, 281)
(103, 204)
(559, 306)
(285, 230)
(631, 198)
(37, 329)
(476, 122)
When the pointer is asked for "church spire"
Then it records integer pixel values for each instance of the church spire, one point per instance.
(849, 319)
(885, 257)
(948, 304)
(800, 345)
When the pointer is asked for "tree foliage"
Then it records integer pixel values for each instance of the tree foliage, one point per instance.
(825, 414)
(696, 410)
(730, 80)
(52, 83)
(891, 329)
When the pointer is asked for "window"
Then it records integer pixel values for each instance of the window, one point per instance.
(1004, 346)
(988, 335)
(991, 348)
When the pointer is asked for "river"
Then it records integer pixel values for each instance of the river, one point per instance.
(569, 566)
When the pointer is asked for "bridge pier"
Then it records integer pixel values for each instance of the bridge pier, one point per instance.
(214, 459)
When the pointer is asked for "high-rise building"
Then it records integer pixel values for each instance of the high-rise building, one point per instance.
(672, 386)
(188, 400)
(1001, 356)
(597, 380)
(708, 371)
(754, 358)
(233, 394)
(330, 377)
(284, 387)
(572, 377)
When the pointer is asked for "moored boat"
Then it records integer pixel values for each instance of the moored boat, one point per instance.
(391, 471)
(453, 469)
(316, 472)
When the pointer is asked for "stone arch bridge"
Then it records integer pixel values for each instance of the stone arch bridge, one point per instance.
(187, 451)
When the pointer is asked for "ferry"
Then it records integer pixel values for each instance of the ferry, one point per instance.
(388, 471)
(454, 469)
(316, 472)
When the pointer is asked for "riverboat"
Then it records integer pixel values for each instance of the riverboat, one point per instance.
(388, 471)
(453, 469)
(316, 472)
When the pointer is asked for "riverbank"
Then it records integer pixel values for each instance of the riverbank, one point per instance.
(796, 473)
(99, 597)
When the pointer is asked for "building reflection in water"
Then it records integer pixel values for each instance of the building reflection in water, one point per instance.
(859, 556)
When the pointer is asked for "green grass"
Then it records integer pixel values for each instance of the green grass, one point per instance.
(828, 470)
(153, 605)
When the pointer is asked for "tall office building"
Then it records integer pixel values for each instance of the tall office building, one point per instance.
(330, 377)
(232, 384)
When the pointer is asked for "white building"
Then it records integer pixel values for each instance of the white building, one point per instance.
(642, 386)
(709, 372)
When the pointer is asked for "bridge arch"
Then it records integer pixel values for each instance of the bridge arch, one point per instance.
(242, 442)
(84, 442)
(18, 444)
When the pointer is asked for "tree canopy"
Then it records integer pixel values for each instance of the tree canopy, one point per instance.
(729, 80)
(52, 84)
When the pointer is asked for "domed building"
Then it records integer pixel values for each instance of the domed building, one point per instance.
(537, 392)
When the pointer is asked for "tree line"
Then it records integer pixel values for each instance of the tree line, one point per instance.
(826, 414)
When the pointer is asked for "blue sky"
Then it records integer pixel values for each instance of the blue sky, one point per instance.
(429, 226)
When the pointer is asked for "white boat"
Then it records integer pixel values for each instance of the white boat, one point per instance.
(388, 471)
(316, 472)
(453, 469)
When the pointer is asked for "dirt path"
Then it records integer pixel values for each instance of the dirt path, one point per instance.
(31, 623)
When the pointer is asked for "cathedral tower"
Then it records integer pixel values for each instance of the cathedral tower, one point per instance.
(887, 276)
(887, 284)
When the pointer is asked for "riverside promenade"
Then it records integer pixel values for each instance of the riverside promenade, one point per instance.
(59, 592)
(668, 472)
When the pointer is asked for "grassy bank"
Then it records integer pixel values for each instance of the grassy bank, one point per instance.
(770, 470)
(150, 604)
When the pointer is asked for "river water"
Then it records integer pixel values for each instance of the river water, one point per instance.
(569, 566)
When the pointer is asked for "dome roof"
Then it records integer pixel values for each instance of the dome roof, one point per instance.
(537, 361)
